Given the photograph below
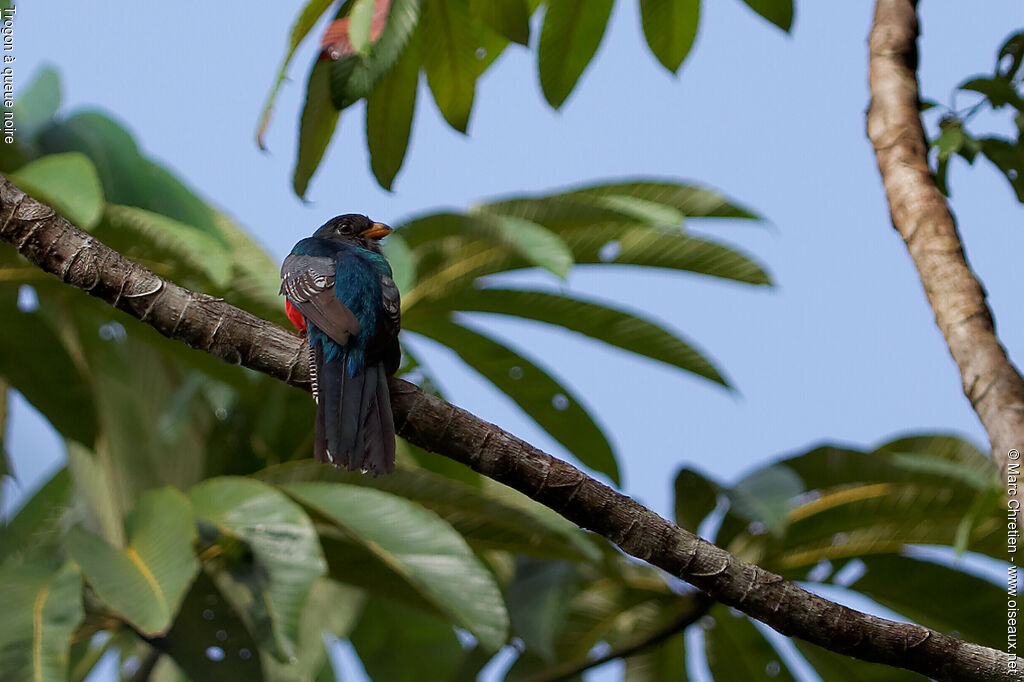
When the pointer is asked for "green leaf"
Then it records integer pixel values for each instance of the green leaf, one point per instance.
(35, 531)
(942, 456)
(146, 581)
(403, 267)
(419, 545)
(287, 558)
(650, 247)
(538, 600)
(884, 518)
(164, 670)
(127, 176)
(428, 646)
(766, 496)
(499, 519)
(838, 668)
(910, 491)
(473, 663)
(304, 23)
(910, 587)
(736, 650)
(508, 18)
(652, 213)
(670, 27)
(35, 362)
(553, 407)
(449, 58)
(1008, 158)
(332, 609)
(490, 45)
(6, 471)
(564, 210)
(666, 661)
(207, 620)
(84, 655)
(569, 38)
(359, 18)
(144, 234)
(828, 468)
(353, 563)
(779, 12)
(949, 141)
(998, 91)
(97, 494)
(67, 182)
(942, 176)
(533, 242)
(389, 114)
(615, 327)
(414, 457)
(134, 395)
(523, 239)
(621, 605)
(42, 608)
(256, 278)
(696, 497)
(353, 76)
(1013, 48)
(38, 103)
(319, 119)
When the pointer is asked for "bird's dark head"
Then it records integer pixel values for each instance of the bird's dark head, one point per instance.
(353, 228)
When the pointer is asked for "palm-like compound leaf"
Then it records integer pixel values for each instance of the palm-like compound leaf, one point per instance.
(551, 405)
(809, 515)
(636, 223)
(618, 328)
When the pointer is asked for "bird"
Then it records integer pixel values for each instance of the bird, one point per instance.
(338, 287)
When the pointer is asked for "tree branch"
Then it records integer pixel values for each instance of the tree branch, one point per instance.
(922, 217)
(214, 326)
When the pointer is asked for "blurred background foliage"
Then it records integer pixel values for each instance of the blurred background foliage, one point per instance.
(191, 537)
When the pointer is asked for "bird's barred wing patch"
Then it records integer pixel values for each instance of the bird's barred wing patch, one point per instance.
(392, 303)
(308, 282)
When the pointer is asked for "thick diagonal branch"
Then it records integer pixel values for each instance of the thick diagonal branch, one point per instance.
(919, 212)
(214, 326)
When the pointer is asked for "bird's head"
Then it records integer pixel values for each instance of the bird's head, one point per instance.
(353, 228)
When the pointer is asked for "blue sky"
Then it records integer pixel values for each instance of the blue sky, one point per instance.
(844, 349)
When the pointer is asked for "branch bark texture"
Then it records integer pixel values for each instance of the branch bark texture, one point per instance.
(921, 215)
(214, 326)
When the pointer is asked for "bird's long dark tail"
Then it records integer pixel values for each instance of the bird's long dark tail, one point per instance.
(354, 425)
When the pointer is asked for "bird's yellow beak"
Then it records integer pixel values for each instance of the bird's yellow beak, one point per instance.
(376, 231)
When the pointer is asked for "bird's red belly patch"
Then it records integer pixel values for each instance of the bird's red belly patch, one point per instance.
(295, 316)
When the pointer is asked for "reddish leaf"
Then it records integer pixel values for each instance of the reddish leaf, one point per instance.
(336, 44)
